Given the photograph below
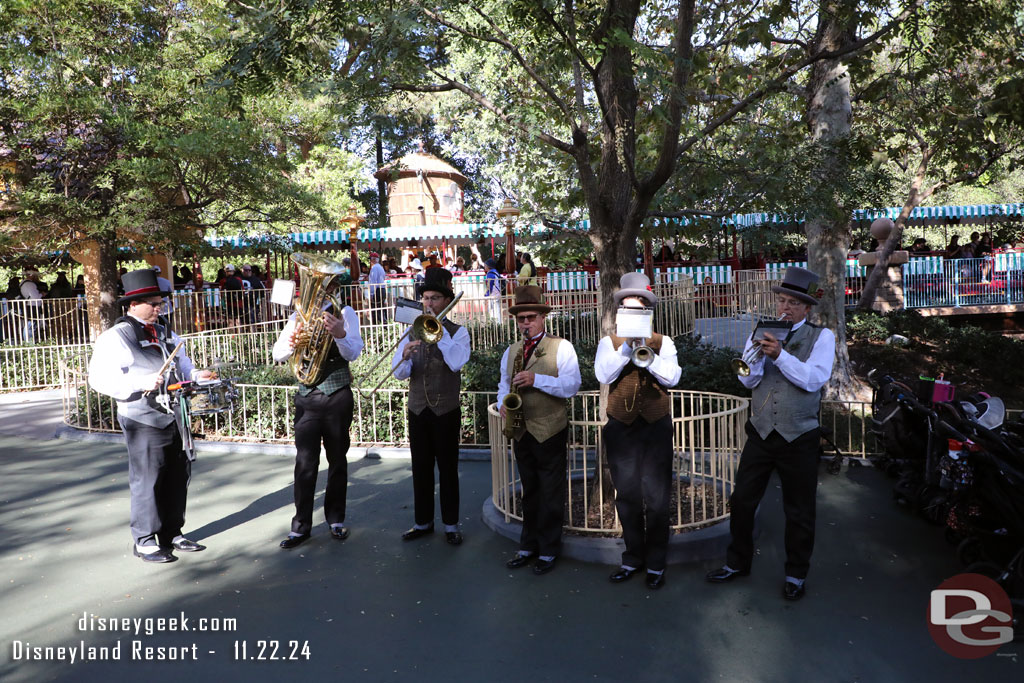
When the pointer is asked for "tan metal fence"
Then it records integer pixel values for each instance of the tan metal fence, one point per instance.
(708, 438)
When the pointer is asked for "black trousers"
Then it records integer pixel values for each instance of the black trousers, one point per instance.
(797, 465)
(542, 473)
(640, 459)
(158, 476)
(321, 418)
(435, 438)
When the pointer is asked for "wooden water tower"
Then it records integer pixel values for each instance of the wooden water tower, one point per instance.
(423, 190)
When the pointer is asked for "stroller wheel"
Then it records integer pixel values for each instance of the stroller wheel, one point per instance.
(1018, 620)
(969, 552)
(989, 569)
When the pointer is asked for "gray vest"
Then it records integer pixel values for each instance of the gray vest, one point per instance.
(145, 361)
(432, 383)
(779, 405)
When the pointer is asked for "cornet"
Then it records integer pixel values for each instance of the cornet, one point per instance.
(643, 355)
(741, 366)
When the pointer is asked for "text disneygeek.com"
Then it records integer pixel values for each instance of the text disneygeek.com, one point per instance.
(137, 649)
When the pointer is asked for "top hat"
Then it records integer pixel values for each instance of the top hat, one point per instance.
(139, 284)
(437, 280)
(800, 283)
(635, 284)
(529, 298)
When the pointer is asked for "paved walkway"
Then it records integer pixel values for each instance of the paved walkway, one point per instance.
(373, 608)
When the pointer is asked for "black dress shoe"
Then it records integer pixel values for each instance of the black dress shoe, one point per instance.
(414, 533)
(161, 555)
(792, 591)
(339, 532)
(453, 537)
(543, 566)
(624, 574)
(187, 546)
(722, 574)
(655, 581)
(519, 561)
(293, 541)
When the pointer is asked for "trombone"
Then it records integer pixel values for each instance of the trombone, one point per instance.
(425, 328)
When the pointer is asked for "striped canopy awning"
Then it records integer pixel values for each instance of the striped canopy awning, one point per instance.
(455, 234)
(468, 233)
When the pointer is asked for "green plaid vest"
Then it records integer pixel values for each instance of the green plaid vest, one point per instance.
(335, 375)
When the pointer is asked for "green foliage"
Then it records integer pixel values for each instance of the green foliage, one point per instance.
(915, 326)
(989, 353)
(866, 326)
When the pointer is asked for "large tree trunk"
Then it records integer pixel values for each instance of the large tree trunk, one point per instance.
(99, 262)
(829, 114)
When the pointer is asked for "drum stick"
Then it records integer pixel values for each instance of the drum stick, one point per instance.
(167, 363)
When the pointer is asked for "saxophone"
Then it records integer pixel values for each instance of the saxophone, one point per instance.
(513, 402)
(314, 343)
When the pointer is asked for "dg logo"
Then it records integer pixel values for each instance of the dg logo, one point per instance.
(970, 616)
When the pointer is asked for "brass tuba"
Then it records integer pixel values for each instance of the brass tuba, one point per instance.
(314, 343)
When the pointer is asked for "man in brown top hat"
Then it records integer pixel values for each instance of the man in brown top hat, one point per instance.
(638, 434)
(433, 371)
(544, 370)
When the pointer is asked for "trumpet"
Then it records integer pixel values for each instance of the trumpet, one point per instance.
(643, 355)
(426, 328)
(741, 366)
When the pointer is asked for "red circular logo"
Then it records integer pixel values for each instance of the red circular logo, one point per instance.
(970, 616)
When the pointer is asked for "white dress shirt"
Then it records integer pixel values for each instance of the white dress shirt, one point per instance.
(112, 358)
(377, 277)
(609, 363)
(564, 386)
(455, 351)
(811, 375)
(350, 346)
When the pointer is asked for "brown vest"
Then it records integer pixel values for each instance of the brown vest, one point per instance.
(544, 415)
(636, 392)
(432, 383)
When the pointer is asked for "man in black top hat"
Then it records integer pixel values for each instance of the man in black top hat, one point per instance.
(126, 364)
(783, 432)
(435, 381)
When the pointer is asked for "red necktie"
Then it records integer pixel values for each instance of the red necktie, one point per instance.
(151, 332)
(529, 345)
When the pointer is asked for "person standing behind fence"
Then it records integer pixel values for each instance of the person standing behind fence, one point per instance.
(783, 433)
(233, 289)
(527, 271)
(545, 372)
(165, 286)
(638, 436)
(323, 414)
(378, 289)
(32, 324)
(435, 418)
(125, 365)
(493, 289)
(255, 296)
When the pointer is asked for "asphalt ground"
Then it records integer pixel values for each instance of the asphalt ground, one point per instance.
(375, 608)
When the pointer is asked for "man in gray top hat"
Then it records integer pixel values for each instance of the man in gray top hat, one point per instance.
(783, 433)
(638, 434)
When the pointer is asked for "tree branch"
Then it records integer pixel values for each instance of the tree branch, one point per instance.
(789, 72)
(484, 102)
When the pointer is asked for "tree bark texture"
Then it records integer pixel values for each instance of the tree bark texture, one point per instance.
(829, 115)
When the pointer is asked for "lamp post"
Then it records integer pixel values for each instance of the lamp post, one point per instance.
(508, 214)
(352, 222)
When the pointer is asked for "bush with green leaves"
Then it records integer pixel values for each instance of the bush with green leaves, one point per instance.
(706, 367)
(866, 326)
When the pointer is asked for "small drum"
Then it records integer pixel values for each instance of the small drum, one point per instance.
(207, 397)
